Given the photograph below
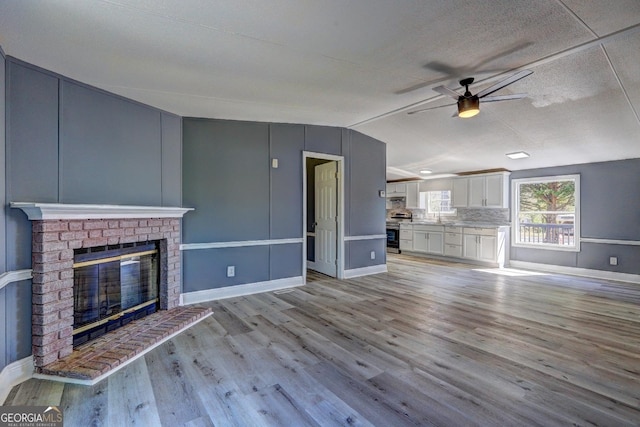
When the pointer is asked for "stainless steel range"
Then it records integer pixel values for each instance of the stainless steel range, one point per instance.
(393, 237)
(393, 231)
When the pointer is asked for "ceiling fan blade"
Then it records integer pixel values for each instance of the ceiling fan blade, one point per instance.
(431, 108)
(514, 78)
(503, 97)
(506, 52)
(446, 91)
(443, 68)
(417, 86)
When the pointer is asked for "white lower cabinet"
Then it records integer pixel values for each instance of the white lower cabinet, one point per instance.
(406, 237)
(435, 243)
(453, 241)
(481, 248)
(428, 239)
(453, 250)
(482, 244)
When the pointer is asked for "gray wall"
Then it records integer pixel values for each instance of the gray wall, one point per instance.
(237, 196)
(3, 246)
(67, 142)
(366, 212)
(609, 209)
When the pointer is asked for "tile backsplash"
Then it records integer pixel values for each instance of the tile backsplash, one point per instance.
(487, 216)
(492, 216)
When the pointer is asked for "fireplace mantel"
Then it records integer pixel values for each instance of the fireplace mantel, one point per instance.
(63, 211)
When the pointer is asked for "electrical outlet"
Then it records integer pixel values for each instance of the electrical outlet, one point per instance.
(231, 271)
(613, 260)
(373, 254)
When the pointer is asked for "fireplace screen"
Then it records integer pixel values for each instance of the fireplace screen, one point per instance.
(113, 286)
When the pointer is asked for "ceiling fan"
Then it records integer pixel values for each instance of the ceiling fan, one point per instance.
(469, 104)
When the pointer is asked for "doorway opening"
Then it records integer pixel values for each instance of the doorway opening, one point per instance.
(323, 214)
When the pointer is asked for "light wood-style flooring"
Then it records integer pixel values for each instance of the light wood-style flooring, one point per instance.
(428, 343)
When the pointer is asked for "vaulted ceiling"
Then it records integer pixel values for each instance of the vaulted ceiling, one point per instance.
(364, 64)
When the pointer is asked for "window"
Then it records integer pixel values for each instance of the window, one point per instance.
(546, 212)
(437, 202)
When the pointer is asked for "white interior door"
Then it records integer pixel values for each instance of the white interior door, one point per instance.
(326, 213)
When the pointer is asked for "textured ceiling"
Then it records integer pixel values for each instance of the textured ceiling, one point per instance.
(364, 64)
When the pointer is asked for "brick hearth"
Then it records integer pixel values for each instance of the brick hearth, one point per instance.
(91, 361)
(53, 247)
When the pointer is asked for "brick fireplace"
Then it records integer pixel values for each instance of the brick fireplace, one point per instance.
(58, 230)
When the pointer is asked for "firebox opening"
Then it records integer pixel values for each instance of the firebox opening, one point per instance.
(113, 285)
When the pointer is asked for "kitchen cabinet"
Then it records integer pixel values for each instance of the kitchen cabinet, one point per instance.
(485, 244)
(428, 239)
(453, 241)
(412, 200)
(489, 191)
(396, 189)
(481, 191)
(440, 184)
(459, 192)
(406, 237)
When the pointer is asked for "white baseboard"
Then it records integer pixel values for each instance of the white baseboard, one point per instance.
(240, 290)
(365, 271)
(575, 271)
(13, 374)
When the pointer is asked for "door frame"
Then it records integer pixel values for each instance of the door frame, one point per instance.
(340, 205)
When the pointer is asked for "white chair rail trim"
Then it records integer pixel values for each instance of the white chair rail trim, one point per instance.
(365, 237)
(14, 276)
(238, 244)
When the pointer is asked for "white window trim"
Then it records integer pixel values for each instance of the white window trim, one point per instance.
(453, 211)
(515, 202)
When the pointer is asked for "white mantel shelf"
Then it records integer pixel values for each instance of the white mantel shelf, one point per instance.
(46, 211)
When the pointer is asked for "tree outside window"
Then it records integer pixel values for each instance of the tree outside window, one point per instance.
(546, 212)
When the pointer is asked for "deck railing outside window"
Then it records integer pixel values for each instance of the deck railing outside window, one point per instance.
(556, 234)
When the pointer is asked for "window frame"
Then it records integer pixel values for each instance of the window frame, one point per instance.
(425, 199)
(515, 211)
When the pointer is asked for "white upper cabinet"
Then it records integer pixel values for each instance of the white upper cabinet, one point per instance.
(482, 191)
(496, 194)
(396, 189)
(460, 192)
(477, 189)
(441, 184)
(413, 196)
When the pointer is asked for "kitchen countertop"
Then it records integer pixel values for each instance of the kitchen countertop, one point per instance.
(457, 224)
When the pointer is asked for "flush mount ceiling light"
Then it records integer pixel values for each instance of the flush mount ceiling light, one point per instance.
(517, 155)
(426, 171)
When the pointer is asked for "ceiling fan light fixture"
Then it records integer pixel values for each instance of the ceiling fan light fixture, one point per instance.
(468, 107)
